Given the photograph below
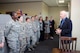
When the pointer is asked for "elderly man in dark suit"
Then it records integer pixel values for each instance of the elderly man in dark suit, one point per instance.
(65, 28)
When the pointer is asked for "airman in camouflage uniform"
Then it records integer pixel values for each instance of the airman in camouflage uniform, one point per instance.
(38, 28)
(12, 35)
(30, 34)
(22, 36)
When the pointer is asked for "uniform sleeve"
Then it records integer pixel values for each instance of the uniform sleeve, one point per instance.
(34, 27)
(7, 29)
(26, 28)
(3, 39)
(1, 36)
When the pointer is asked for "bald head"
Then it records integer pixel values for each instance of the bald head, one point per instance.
(63, 14)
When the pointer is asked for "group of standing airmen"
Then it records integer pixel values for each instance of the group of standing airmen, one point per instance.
(21, 35)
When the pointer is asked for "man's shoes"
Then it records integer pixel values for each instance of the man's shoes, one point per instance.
(37, 43)
(51, 38)
(29, 49)
(32, 48)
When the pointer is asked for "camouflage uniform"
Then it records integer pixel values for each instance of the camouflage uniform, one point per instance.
(38, 30)
(12, 35)
(30, 34)
(22, 38)
(35, 30)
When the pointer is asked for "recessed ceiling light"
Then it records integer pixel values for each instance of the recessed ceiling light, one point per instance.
(61, 1)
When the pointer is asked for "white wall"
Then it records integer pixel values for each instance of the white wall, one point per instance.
(31, 8)
(75, 17)
(44, 10)
(69, 8)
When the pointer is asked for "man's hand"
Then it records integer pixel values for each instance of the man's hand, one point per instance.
(1, 45)
(50, 26)
(58, 31)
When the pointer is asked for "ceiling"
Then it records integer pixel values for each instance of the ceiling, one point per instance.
(56, 2)
(48, 2)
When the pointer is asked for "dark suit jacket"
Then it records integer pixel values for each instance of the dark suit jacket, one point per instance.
(66, 28)
(43, 26)
(52, 24)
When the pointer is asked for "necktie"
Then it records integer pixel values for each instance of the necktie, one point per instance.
(61, 23)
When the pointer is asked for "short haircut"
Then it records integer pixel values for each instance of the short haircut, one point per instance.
(19, 17)
(27, 18)
(12, 14)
